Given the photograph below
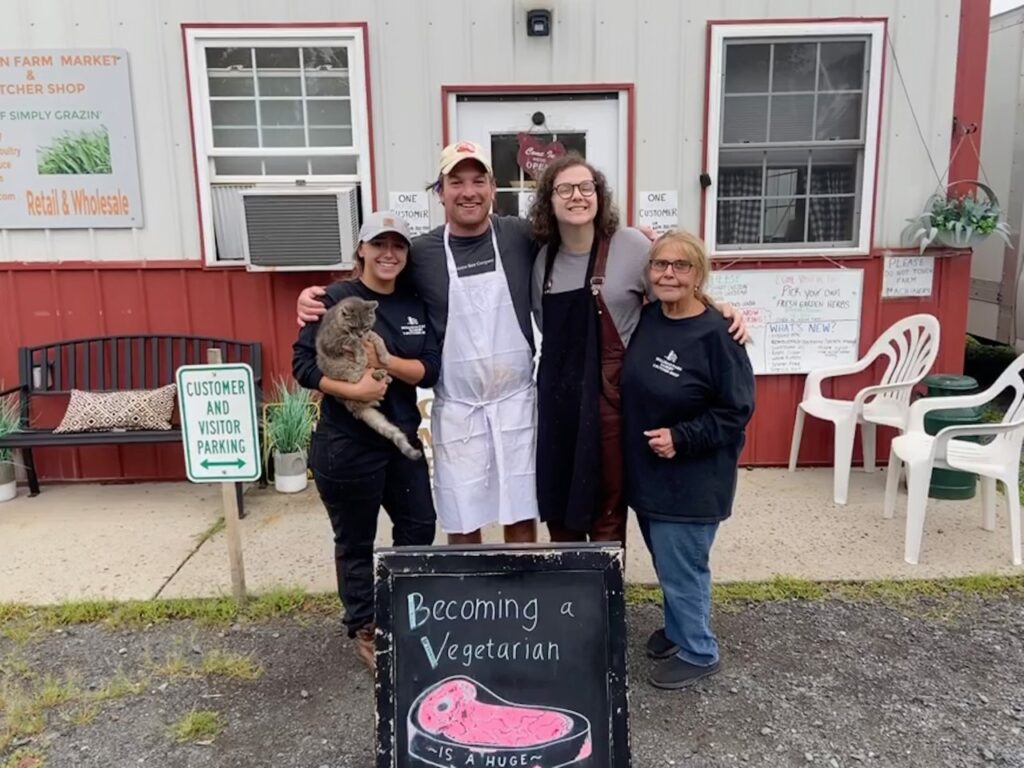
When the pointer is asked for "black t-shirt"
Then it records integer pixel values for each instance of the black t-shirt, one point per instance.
(690, 376)
(402, 324)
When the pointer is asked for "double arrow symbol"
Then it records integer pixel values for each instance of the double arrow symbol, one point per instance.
(206, 463)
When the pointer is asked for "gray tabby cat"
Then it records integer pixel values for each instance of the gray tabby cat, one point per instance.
(341, 355)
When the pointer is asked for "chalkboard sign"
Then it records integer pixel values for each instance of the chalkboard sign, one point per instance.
(799, 319)
(511, 657)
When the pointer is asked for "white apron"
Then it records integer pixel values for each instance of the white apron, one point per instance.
(484, 416)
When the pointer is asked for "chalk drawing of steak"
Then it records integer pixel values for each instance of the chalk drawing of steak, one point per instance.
(458, 722)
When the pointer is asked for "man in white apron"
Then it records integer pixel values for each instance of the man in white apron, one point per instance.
(484, 416)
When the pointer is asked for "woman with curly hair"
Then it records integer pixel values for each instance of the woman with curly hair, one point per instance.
(589, 284)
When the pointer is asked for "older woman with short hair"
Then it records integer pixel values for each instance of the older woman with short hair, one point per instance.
(687, 396)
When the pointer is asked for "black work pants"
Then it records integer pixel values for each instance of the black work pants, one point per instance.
(353, 500)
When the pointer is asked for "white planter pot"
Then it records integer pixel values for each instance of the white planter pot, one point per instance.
(8, 485)
(290, 472)
(952, 240)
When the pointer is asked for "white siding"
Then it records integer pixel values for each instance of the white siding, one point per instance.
(418, 45)
(993, 266)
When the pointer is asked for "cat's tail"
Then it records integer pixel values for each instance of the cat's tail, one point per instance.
(379, 423)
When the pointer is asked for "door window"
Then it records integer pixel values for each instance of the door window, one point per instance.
(515, 185)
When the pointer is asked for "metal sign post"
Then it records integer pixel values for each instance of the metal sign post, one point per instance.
(219, 431)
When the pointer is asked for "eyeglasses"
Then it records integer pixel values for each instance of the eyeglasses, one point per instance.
(565, 190)
(679, 266)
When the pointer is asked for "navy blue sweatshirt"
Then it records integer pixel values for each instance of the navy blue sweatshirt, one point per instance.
(688, 375)
(402, 324)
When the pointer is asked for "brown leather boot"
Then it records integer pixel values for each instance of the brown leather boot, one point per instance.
(365, 649)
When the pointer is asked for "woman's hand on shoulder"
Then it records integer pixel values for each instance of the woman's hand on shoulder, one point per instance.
(309, 307)
(738, 326)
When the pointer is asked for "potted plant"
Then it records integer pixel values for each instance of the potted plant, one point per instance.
(961, 221)
(10, 421)
(289, 423)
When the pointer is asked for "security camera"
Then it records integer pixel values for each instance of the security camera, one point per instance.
(538, 23)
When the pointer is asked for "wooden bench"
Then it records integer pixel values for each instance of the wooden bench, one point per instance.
(110, 364)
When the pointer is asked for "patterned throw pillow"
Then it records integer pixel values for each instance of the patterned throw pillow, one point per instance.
(134, 409)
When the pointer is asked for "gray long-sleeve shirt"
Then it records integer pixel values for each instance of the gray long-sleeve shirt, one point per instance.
(474, 256)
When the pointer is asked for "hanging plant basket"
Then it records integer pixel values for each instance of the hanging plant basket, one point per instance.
(960, 221)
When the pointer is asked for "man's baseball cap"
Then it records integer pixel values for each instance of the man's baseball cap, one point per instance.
(380, 222)
(455, 153)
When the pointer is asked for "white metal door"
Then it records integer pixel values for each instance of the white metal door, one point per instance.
(593, 124)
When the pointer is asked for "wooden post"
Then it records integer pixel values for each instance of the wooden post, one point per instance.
(232, 526)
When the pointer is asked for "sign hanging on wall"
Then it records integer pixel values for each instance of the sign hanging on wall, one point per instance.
(414, 207)
(535, 154)
(67, 140)
(509, 657)
(798, 319)
(907, 276)
(659, 210)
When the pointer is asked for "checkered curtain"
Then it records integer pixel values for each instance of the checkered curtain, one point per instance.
(829, 215)
(739, 221)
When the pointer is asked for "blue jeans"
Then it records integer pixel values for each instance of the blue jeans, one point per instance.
(680, 554)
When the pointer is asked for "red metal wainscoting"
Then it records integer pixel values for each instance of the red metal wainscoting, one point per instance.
(44, 305)
(52, 304)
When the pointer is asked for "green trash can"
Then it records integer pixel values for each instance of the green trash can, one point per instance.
(948, 483)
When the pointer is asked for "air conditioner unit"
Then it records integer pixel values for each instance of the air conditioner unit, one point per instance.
(300, 228)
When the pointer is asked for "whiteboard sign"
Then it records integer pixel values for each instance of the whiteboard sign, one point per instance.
(907, 276)
(659, 210)
(798, 319)
(414, 207)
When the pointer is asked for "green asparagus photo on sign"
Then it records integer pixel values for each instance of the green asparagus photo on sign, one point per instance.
(76, 152)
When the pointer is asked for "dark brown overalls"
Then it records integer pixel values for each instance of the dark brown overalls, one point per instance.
(579, 435)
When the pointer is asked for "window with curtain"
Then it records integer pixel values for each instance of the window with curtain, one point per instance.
(791, 142)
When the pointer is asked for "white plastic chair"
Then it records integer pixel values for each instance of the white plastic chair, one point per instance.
(912, 344)
(996, 460)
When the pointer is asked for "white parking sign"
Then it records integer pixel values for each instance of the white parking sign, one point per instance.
(218, 422)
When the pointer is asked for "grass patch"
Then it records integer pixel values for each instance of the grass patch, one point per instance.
(21, 632)
(25, 707)
(12, 611)
(12, 667)
(54, 692)
(216, 663)
(23, 718)
(24, 622)
(890, 591)
(235, 666)
(213, 612)
(81, 715)
(25, 758)
(199, 726)
(120, 686)
(173, 667)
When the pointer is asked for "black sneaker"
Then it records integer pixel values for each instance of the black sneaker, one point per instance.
(676, 673)
(659, 646)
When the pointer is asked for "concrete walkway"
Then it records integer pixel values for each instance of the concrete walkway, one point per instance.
(140, 541)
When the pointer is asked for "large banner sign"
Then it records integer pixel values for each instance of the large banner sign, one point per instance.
(67, 140)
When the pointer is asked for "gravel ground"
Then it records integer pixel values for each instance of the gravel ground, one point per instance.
(829, 683)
